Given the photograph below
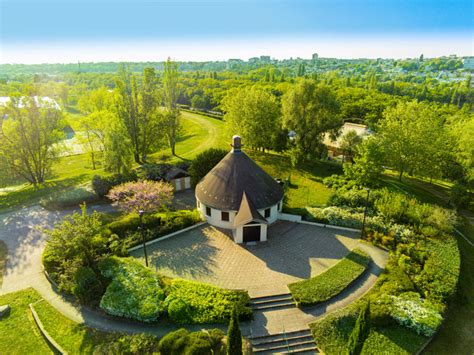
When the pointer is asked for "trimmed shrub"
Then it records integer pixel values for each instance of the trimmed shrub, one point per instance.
(70, 198)
(88, 288)
(102, 184)
(204, 162)
(234, 337)
(332, 282)
(360, 331)
(182, 341)
(134, 291)
(194, 302)
(413, 312)
(460, 196)
(129, 344)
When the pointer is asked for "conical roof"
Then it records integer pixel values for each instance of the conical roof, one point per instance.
(223, 187)
(247, 213)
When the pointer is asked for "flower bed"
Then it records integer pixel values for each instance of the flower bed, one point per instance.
(332, 282)
(194, 302)
(135, 291)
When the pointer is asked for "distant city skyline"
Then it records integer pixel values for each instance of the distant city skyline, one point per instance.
(56, 31)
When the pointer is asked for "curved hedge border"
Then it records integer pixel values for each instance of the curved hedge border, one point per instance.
(331, 282)
(45, 333)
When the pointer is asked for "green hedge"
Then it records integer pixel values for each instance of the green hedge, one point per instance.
(332, 282)
(182, 341)
(134, 291)
(156, 224)
(70, 198)
(194, 302)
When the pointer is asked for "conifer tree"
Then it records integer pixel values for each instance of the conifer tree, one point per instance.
(234, 337)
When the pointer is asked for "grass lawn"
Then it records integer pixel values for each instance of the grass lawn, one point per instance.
(73, 337)
(456, 335)
(332, 333)
(20, 334)
(332, 282)
(307, 188)
(3, 259)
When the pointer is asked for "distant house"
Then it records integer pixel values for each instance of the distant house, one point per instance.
(334, 146)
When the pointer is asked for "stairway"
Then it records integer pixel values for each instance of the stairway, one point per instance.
(296, 342)
(268, 303)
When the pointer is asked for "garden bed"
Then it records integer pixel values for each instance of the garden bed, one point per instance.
(332, 282)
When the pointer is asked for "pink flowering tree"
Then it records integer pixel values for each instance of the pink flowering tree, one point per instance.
(147, 196)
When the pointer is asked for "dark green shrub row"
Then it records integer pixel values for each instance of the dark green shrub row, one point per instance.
(102, 184)
(134, 292)
(129, 344)
(156, 224)
(204, 162)
(70, 198)
(332, 282)
(360, 331)
(183, 342)
(194, 302)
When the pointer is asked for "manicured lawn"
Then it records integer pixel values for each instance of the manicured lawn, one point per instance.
(3, 259)
(75, 338)
(19, 333)
(456, 335)
(307, 188)
(332, 282)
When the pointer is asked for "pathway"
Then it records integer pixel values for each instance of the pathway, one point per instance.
(21, 231)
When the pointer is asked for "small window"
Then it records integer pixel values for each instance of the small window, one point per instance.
(267, 213)
(225, 216)
(208, 211)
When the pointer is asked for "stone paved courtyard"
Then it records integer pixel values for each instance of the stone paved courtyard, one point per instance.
(294, 251)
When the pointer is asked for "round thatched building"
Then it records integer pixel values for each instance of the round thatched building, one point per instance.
(238, 195)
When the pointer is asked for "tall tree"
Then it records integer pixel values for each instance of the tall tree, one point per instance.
(349, 142)
(30, 132)
(411, 134)
(310, 110)
(234, 337)
(94, 128)
(117, 149)
(170, 98)
(254, 114)
(138, 108)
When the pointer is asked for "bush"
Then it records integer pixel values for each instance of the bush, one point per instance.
(413, 312)
(156, 224)
(182, 341)
(129, 344)
(152, 172)
(70, 198)
(332, 282)
(460, 196)
(234, 336)
(360, 331)
(103, 184)
(194, 302)
(204, 162)
(134, 292)
(88, 288)
(74, 243)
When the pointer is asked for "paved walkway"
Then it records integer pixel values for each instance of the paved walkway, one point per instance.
(21, 231)
(294, 251)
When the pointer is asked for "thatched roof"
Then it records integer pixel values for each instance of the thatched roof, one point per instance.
(223, 187)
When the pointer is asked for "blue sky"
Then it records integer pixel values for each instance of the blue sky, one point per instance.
(217, 28)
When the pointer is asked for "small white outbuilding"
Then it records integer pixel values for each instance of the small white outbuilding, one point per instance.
(238, 195)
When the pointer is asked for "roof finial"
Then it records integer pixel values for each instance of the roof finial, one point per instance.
(236, 143)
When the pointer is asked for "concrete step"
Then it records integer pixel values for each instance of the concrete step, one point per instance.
(281, 296)
(282, 343)
(273, 305)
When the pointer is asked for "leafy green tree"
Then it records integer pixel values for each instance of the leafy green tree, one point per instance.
(349, 143)
(234, 337)
(100, 99)
(30, 130)
(170, 95)
(138, 106)
(94, 127)
(310, 110)
(368, 163)
(117, 149)
(411, 135)
(254, 114)
(204, 162)
(72, 250)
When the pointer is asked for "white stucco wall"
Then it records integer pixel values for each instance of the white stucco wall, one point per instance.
(215, 219)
